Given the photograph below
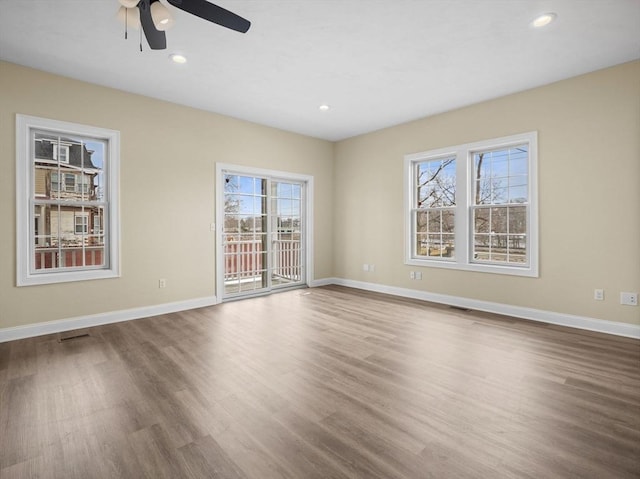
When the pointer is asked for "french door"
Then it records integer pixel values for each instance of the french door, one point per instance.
(262, 245)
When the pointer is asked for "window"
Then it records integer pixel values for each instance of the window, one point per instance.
(70, 182)
(61, 153)
(55, 183)
(435, 210)
(474, 206)
(82, 223)
(96, 224)
(67, 175)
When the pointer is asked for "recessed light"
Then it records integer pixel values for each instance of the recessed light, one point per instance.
(543, 20)
(324, 107)
(177, 58)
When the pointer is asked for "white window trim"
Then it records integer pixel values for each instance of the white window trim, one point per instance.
(463, 220)
(24, 187)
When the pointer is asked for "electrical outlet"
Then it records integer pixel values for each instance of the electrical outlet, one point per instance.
(372, 267)
(418, 274)
(412, 275)
(629, 299)
(162, 283)
(598, 294)
(365, 267)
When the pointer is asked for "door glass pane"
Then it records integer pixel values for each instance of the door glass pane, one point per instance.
(286, 244)
(245, 234)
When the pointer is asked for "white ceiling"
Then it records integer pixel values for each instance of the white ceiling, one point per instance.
(376, 62)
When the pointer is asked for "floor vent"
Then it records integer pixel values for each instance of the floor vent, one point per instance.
(460, 308)
(70, 338)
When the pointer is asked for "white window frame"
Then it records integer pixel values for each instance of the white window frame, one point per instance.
(464, 206)
(25, 276)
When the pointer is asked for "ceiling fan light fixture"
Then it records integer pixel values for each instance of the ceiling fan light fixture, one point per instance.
(324, 107)
(543, 20)
(161, 17)
(129, 17)
(177, 58)
(129, 3)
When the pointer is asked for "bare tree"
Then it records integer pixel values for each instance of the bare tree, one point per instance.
(441, 189)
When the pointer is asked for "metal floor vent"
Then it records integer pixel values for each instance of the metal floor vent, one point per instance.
(70, 338)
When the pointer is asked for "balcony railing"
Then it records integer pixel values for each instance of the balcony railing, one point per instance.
(246, 261)
(68, 257)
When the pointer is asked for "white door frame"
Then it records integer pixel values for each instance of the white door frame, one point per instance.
(226, 168)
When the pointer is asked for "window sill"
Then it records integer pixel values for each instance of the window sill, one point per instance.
(527, 271)
(66, 277)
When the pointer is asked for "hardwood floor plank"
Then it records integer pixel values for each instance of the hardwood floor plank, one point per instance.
(205, 459)
(322, 383)
(299, 458)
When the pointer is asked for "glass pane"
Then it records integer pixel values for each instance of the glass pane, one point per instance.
(284, 190)
(422, 218)
(517, 219)
(448, 246)
(481, 247)
(434, 245)
(286, 207)
(481, 218)
(499, 248)
(499, 220)
(422, 245)
(434, 224)
(231, 225)
(518, 190)
(517, 249)
(482, 191)
(482, 183)
(45, 255)
(232, 203)
(499, 193)
(518, 165)
(231, 183)
(448, 221)
(500, 176)
(246, 185)
(499, 164)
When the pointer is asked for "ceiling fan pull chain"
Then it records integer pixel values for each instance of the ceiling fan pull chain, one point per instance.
(126, 17)
(141, 39)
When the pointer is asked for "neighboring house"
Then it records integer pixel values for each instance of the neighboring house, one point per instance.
(68, 231)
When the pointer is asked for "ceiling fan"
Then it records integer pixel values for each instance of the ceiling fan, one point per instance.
(155, 17)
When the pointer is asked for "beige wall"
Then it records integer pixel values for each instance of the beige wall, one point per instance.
(589, 176)
(168, 156)
(589, 186)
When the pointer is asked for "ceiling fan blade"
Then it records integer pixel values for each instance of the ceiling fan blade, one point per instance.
(213, 13)
(157, 40)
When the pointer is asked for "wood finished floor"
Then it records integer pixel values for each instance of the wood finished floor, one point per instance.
(321, 383)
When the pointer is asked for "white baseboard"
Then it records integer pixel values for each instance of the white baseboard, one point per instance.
(561, 319)
(49, 327)
(322, 282)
